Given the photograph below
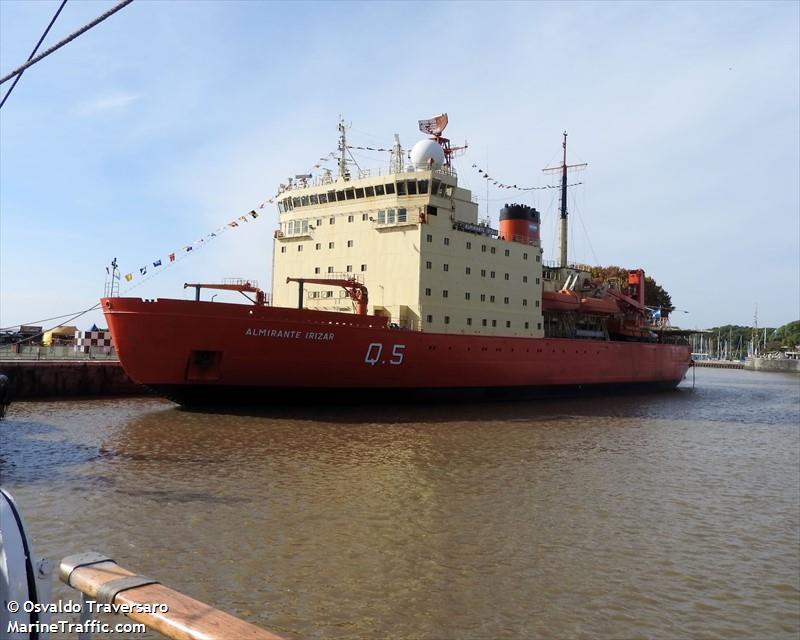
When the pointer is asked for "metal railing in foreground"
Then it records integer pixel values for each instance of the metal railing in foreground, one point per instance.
(161, 609)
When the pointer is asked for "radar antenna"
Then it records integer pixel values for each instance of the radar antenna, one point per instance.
(563, 168)
(435, 126)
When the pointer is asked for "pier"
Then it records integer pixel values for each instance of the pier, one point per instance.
(65, 378)
(719, 364)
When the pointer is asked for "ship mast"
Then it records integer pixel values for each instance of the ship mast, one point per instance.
(343, 173)
(563, 169)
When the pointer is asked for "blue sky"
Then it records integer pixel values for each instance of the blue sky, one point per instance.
(172, 118)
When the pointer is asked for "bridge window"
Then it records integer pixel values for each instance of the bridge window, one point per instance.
(379, 191)
(370, 191)
(313, 198)
(422, 187)
(340, 196)
(401, 188)
(412, 187)
(359, 192)
(350, 194)
(323, 199)
(435, 187)
(389, 188)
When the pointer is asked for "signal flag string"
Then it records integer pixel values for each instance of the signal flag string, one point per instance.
(497, 183)
(185, 250)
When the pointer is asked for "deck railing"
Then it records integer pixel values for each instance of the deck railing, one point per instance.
(172, 614)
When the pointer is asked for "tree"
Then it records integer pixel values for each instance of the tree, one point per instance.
(654, 294)
(788, 334)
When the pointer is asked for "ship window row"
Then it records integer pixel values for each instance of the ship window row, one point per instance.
(318, 246)
(303, 227)
(484, 248)
(468, 271)
(348, 269)
(485, 322)
(401, 188)
(483, 297)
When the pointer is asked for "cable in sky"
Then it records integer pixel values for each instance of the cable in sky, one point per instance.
(66, 40)
(33, 53)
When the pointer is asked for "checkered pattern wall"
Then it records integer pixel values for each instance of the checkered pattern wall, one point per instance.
(96, 341)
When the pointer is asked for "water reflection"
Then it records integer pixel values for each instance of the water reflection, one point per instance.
(672, 515)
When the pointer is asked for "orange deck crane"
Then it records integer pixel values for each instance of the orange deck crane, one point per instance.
(355, 290)
(242, 286)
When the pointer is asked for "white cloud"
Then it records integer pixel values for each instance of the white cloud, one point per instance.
(109, 102)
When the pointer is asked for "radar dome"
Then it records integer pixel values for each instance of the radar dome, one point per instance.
(427, 153)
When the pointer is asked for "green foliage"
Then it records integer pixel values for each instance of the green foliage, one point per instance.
(654, 294)
(788, 335)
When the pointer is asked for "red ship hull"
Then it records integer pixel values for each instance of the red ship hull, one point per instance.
(200, 353)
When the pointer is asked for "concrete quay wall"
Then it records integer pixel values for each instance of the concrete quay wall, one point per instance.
(785, 365)
(49, 379)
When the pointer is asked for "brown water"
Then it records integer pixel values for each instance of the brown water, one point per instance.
(661, 516)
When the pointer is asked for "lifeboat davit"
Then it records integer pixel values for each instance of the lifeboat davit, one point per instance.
(560, 301)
